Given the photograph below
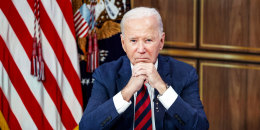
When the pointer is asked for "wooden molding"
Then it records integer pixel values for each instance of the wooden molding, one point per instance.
(180, 44)
(212, 55)
(192, 62)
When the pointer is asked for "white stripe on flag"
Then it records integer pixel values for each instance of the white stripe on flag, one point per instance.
(26, 13)
(85, 28)
(55, 68)
(53, 63)
(78, 28)
(76, 15)
(15, 101)
(65, 99)
(78, 22)
(63, 30)
(36, 87)
(84, 34)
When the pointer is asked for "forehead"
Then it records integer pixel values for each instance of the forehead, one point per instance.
(141, 26)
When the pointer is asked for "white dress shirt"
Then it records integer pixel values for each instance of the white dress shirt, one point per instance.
(167, 99)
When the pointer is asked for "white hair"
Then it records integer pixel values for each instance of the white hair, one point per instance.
(140, 12)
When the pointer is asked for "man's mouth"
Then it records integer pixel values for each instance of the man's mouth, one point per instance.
(141, 60)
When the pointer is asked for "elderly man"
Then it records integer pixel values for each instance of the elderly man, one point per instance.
(144, 90)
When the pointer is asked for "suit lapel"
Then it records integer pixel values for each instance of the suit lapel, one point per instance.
(124, 74)
(163, 70)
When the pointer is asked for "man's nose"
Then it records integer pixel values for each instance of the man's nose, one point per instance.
(141, 47)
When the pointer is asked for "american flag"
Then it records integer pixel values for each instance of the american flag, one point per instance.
(25, 102)
(82, 21)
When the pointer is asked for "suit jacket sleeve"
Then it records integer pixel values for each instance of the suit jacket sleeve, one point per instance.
(100, 112)
(187, 110)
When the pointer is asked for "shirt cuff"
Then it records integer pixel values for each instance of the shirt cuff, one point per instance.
(168, 97)
(120, 104)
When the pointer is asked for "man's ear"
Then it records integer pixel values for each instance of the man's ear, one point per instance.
(122, 41)
(162, 41)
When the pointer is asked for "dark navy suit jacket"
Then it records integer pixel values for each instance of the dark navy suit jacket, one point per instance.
(110, 78)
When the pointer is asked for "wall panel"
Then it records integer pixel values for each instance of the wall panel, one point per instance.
(230, 25)
(254, 23)
(179, 19)
(221, 39)
(230, 94)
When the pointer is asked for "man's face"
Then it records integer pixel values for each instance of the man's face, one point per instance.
(142, 40)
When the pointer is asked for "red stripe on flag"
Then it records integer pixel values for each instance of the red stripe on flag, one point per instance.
(15, 19)
(78, 23)
(78, 31)
(50, 83)
(84, 35)
(62, 56)
(81, 27)
(66, 8)
(7, 112)
(76, 15)
(31, 3)
(22, 88)
(56, 43)
(53, 89)
(84, 31)
(67, 12)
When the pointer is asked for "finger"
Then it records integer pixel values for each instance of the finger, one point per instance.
(142, 66)
(147, 66)
(140, 72)
(137, 69)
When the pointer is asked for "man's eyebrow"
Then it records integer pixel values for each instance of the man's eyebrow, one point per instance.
(132, 37)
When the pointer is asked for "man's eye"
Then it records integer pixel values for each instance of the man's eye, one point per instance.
(148, 40)
(133, 40)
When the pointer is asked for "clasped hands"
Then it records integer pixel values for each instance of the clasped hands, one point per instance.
(143, 73)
